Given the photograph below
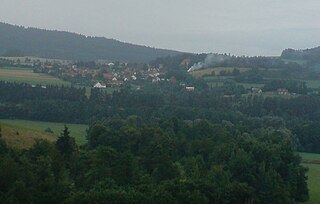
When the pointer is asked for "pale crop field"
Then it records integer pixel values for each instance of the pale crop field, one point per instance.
(22, 75)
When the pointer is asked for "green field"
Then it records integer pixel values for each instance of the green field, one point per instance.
(214, 81)
(313, 176)
(217, 78)
(313, 83)
(39, 59)
(301, 62)
(251, 85)
(18, 74)
(216, 70)
(76, 130)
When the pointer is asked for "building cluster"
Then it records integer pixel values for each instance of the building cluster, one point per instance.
(103, 74)
(110, 74)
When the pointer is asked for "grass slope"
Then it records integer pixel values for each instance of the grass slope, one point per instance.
(18, 74)
(216, 70)
(40, 59)
(20, 138)
(313, 176)
(29, 130)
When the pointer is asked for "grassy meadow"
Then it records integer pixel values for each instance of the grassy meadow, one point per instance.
(313, 84)
(26, 75)
(312, 162)
(30, 130)
(39, 59)
(216, 70)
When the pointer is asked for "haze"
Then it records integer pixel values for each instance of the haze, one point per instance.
(248, 27)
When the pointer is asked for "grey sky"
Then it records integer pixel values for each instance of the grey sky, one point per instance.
(241, 27)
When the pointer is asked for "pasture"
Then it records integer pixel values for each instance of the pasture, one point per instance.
(216, 70)
(29, 130)
(312, 162)
(315, 84)
(24, 75)
(35, 59)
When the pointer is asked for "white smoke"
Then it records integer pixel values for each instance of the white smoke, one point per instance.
(210, 61)
(196, 66)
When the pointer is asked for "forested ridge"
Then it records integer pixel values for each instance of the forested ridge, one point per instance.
(21, 41)
(311, 54)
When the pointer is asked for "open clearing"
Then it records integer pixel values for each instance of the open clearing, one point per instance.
(39, 59)
(30, 130)
(313, 83)
(216, 70)
(21, 138)
(312, 161)
(23, 75)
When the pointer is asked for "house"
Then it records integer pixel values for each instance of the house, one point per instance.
(115, 83)
(100, 85)
(156, 79)
(134, 77)
(256, 90)
(190, 88)
(108, 75)
(283, 91)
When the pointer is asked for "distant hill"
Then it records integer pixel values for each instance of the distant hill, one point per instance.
(311, 55)
(21, 41)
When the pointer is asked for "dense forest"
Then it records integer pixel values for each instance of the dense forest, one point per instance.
(165, 161)
(309, 57)
(312, 54)
(224, 60)
(156, 102)
(21, 41)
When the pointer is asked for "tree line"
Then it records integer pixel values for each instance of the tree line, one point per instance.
(69, 104)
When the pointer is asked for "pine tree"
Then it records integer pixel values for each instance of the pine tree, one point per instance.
(65, 143)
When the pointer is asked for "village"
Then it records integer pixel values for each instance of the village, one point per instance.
(102, 75)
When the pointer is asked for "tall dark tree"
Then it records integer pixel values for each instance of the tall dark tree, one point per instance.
(65, 143)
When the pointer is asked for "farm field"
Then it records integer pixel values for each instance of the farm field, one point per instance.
(22, 59)
(22, 138)
(38, 129)
(217, 78)
(18, 74)
(301, 62)
(26, 75)
(313, 176)
(216, 70)
(313, 83)
(251, 85)
(213, 81)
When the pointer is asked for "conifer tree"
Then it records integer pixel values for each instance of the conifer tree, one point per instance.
(65, 143)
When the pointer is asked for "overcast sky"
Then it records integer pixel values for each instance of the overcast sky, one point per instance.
(241, 27)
